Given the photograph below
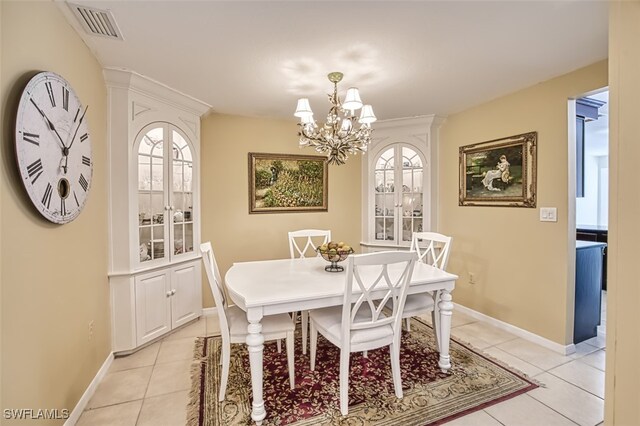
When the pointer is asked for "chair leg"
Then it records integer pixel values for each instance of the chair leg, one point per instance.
(305, 327)
(394, 352)
(365, 354)
(279, 345)
(344, 381)
(290, 359)
(408, 323)
(313, 343)
(226, 352)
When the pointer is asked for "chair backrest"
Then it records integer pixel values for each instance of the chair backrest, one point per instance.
(295, 237)
(432, 248)
(217, 286)
(370, 274)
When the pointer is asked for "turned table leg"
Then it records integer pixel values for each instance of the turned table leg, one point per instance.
(255, 346)
(446, 309)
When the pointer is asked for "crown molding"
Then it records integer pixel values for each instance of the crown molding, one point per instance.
(131, 80)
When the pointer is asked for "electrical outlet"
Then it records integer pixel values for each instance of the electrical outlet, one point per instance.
(472, 278)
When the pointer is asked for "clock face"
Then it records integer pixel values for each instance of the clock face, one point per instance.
(53, 147)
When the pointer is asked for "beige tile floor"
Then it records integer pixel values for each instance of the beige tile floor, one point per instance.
(151, 386)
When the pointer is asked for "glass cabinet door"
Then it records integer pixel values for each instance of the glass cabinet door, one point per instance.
(398, 195)
(165, 194)
(182, 195)
(412, 181)
(385, 202)
(151, 201)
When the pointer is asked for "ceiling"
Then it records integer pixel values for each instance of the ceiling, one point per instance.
(407, 58)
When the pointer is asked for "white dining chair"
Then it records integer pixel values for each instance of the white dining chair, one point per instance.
(233, 322)
(308, 239)
(433, 249)
(360, 323)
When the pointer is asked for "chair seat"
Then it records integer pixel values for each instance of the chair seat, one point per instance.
(330, 321)
(416, 304)
(238, 323)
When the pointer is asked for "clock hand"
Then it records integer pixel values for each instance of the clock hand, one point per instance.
(65, 151)
(49, 123)
(79, 123)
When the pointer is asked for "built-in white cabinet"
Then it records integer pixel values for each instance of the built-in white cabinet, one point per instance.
(166, 299)
(399, 182)
(154, 208)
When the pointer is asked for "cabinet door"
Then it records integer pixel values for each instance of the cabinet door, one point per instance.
(398, 195)
(153, 235)
(153, 306)
(186, 299)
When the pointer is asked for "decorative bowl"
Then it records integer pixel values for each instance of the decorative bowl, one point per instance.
(334, 253)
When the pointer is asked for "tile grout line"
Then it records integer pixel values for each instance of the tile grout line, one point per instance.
(552, 409)
(573, 384)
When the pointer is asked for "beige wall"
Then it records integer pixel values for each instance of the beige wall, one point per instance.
(520, 263)
(53, 277)
(234, 233)
(623, 339)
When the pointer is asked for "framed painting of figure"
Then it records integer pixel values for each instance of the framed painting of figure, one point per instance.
(500, 172)
(286, 183)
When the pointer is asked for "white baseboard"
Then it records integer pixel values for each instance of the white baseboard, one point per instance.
(207, 312)
(91, 389)
(524, 334)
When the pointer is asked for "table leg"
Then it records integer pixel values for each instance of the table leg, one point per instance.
(446, 308)
(435, 318)
(255, 346)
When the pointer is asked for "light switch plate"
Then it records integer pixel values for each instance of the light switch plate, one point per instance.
(548, 214)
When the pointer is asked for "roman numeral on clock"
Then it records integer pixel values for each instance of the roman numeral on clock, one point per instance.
(83, 182)
(31, 138)
(46, 199)
(76, 198)
(50, 92)
(86, 161)
(63, 207)
(65, 99)
(34, 170)
(84, 137)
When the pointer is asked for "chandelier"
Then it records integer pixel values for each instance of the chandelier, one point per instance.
(340, 134)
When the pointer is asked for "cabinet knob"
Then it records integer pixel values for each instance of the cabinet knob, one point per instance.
(173, 291)
(169, 294)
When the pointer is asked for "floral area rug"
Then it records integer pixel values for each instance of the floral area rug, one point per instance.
(431, 397)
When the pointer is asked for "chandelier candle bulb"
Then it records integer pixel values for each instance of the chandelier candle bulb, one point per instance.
(338, 136)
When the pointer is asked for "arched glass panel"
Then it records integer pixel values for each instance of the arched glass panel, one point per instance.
(412, 180)
(384, 177)
(151, 195)
(182, 195)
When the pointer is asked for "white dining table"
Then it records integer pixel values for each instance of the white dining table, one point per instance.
(277, 286)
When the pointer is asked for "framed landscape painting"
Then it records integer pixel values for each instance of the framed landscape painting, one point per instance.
(286, 183)
(501, 172)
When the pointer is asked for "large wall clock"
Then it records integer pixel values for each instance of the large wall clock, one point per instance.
(53, 147)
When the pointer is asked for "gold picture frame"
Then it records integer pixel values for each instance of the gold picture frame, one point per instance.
(287, 183)
(500, 172)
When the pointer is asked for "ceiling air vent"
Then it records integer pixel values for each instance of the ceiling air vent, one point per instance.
(96, 21)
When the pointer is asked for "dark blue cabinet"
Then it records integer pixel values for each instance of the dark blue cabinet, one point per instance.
(588, 289)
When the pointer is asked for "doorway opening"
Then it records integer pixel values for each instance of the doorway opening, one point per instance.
(591, 216)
